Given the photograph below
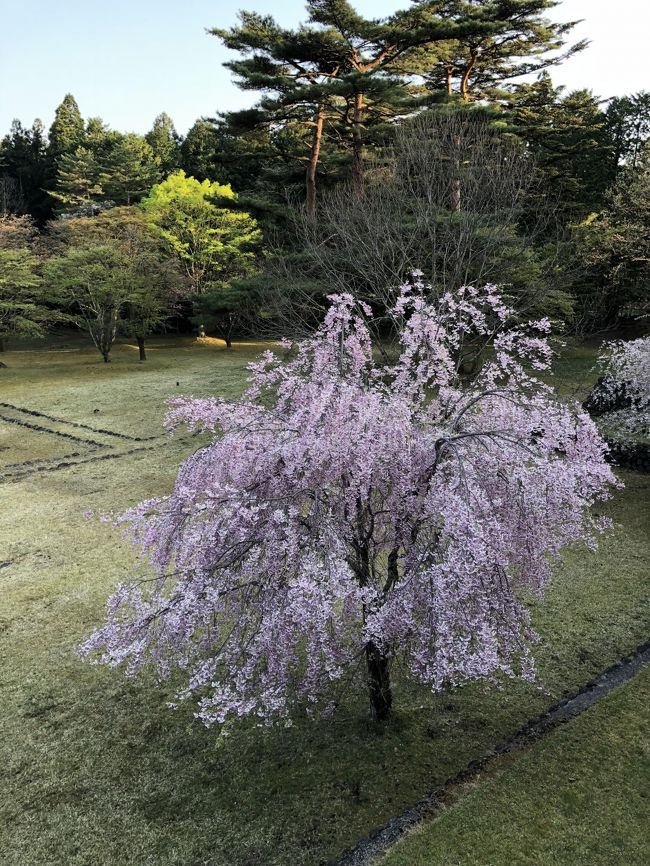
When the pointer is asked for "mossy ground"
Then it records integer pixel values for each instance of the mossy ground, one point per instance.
(95, 769)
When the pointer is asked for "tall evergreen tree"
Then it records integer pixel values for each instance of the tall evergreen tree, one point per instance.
(130, 170)
(628, 120)
(67, 130)
(335, 71)
(614, 248)
(477, 66)
(571, 142)
(99, 139)
(78, 183)
(197, 150)
(343, 74)
(165, 143)
(25, 171)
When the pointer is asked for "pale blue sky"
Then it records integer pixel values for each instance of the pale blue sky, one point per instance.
(128, 60)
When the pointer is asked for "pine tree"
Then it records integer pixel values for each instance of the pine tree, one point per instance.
(478, 66)
(130, 170)
(336, 75)
(197, 150)
(165, 143)
(614, 249)
(67, 130)
(344, 77)
(78, 183)
(628, 119)
(99, 139)
(571, 143)
(25, 171)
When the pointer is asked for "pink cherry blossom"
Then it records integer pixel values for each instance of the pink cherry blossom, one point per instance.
(347, 514)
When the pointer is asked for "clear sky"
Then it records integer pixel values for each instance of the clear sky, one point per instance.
(128, 60)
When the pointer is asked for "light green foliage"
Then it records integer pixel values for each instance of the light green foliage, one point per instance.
(23, 309)
(214, 243)
(157, 280)
(95, 280)
(21, 313)
(153, 277)
(97, 769)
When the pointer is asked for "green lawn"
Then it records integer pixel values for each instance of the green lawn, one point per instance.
(579, 797)
(95, 769)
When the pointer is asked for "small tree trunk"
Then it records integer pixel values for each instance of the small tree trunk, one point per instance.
(143, 354)
(465, 80)
(2, 345)
(312, 165)
(105, 357)
(381, 697)
(456, 197)
(357, 146)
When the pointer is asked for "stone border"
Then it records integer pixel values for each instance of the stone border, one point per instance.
(78, 424)
(378, 842)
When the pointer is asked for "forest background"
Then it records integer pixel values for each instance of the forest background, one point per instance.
(438, 128)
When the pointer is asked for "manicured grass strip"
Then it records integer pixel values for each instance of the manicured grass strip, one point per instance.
(368, 850)
(95, 769)
(579, 797)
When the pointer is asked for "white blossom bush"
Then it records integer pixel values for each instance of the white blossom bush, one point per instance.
(625, 386)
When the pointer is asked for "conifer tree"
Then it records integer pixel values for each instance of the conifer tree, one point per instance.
(165, 143)
(99, 139)
(479, 65)
(338, 69)
(78, 180)
(130, 170)
(571, 143)
(197, 150)
(628, 119)
(614, 248)
(25, 168)
(67, 130)
(343, 74)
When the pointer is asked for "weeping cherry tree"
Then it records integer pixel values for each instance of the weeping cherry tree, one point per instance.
(347, 515)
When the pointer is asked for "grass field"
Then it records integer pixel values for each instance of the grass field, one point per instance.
(579, 797)
(94, 769)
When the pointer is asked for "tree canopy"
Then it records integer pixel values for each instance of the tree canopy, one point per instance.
(348, 512)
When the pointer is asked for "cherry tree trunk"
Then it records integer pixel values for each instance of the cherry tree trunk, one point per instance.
(143, 354)
(381, 696)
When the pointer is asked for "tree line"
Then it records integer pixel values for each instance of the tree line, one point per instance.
(376, 146)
